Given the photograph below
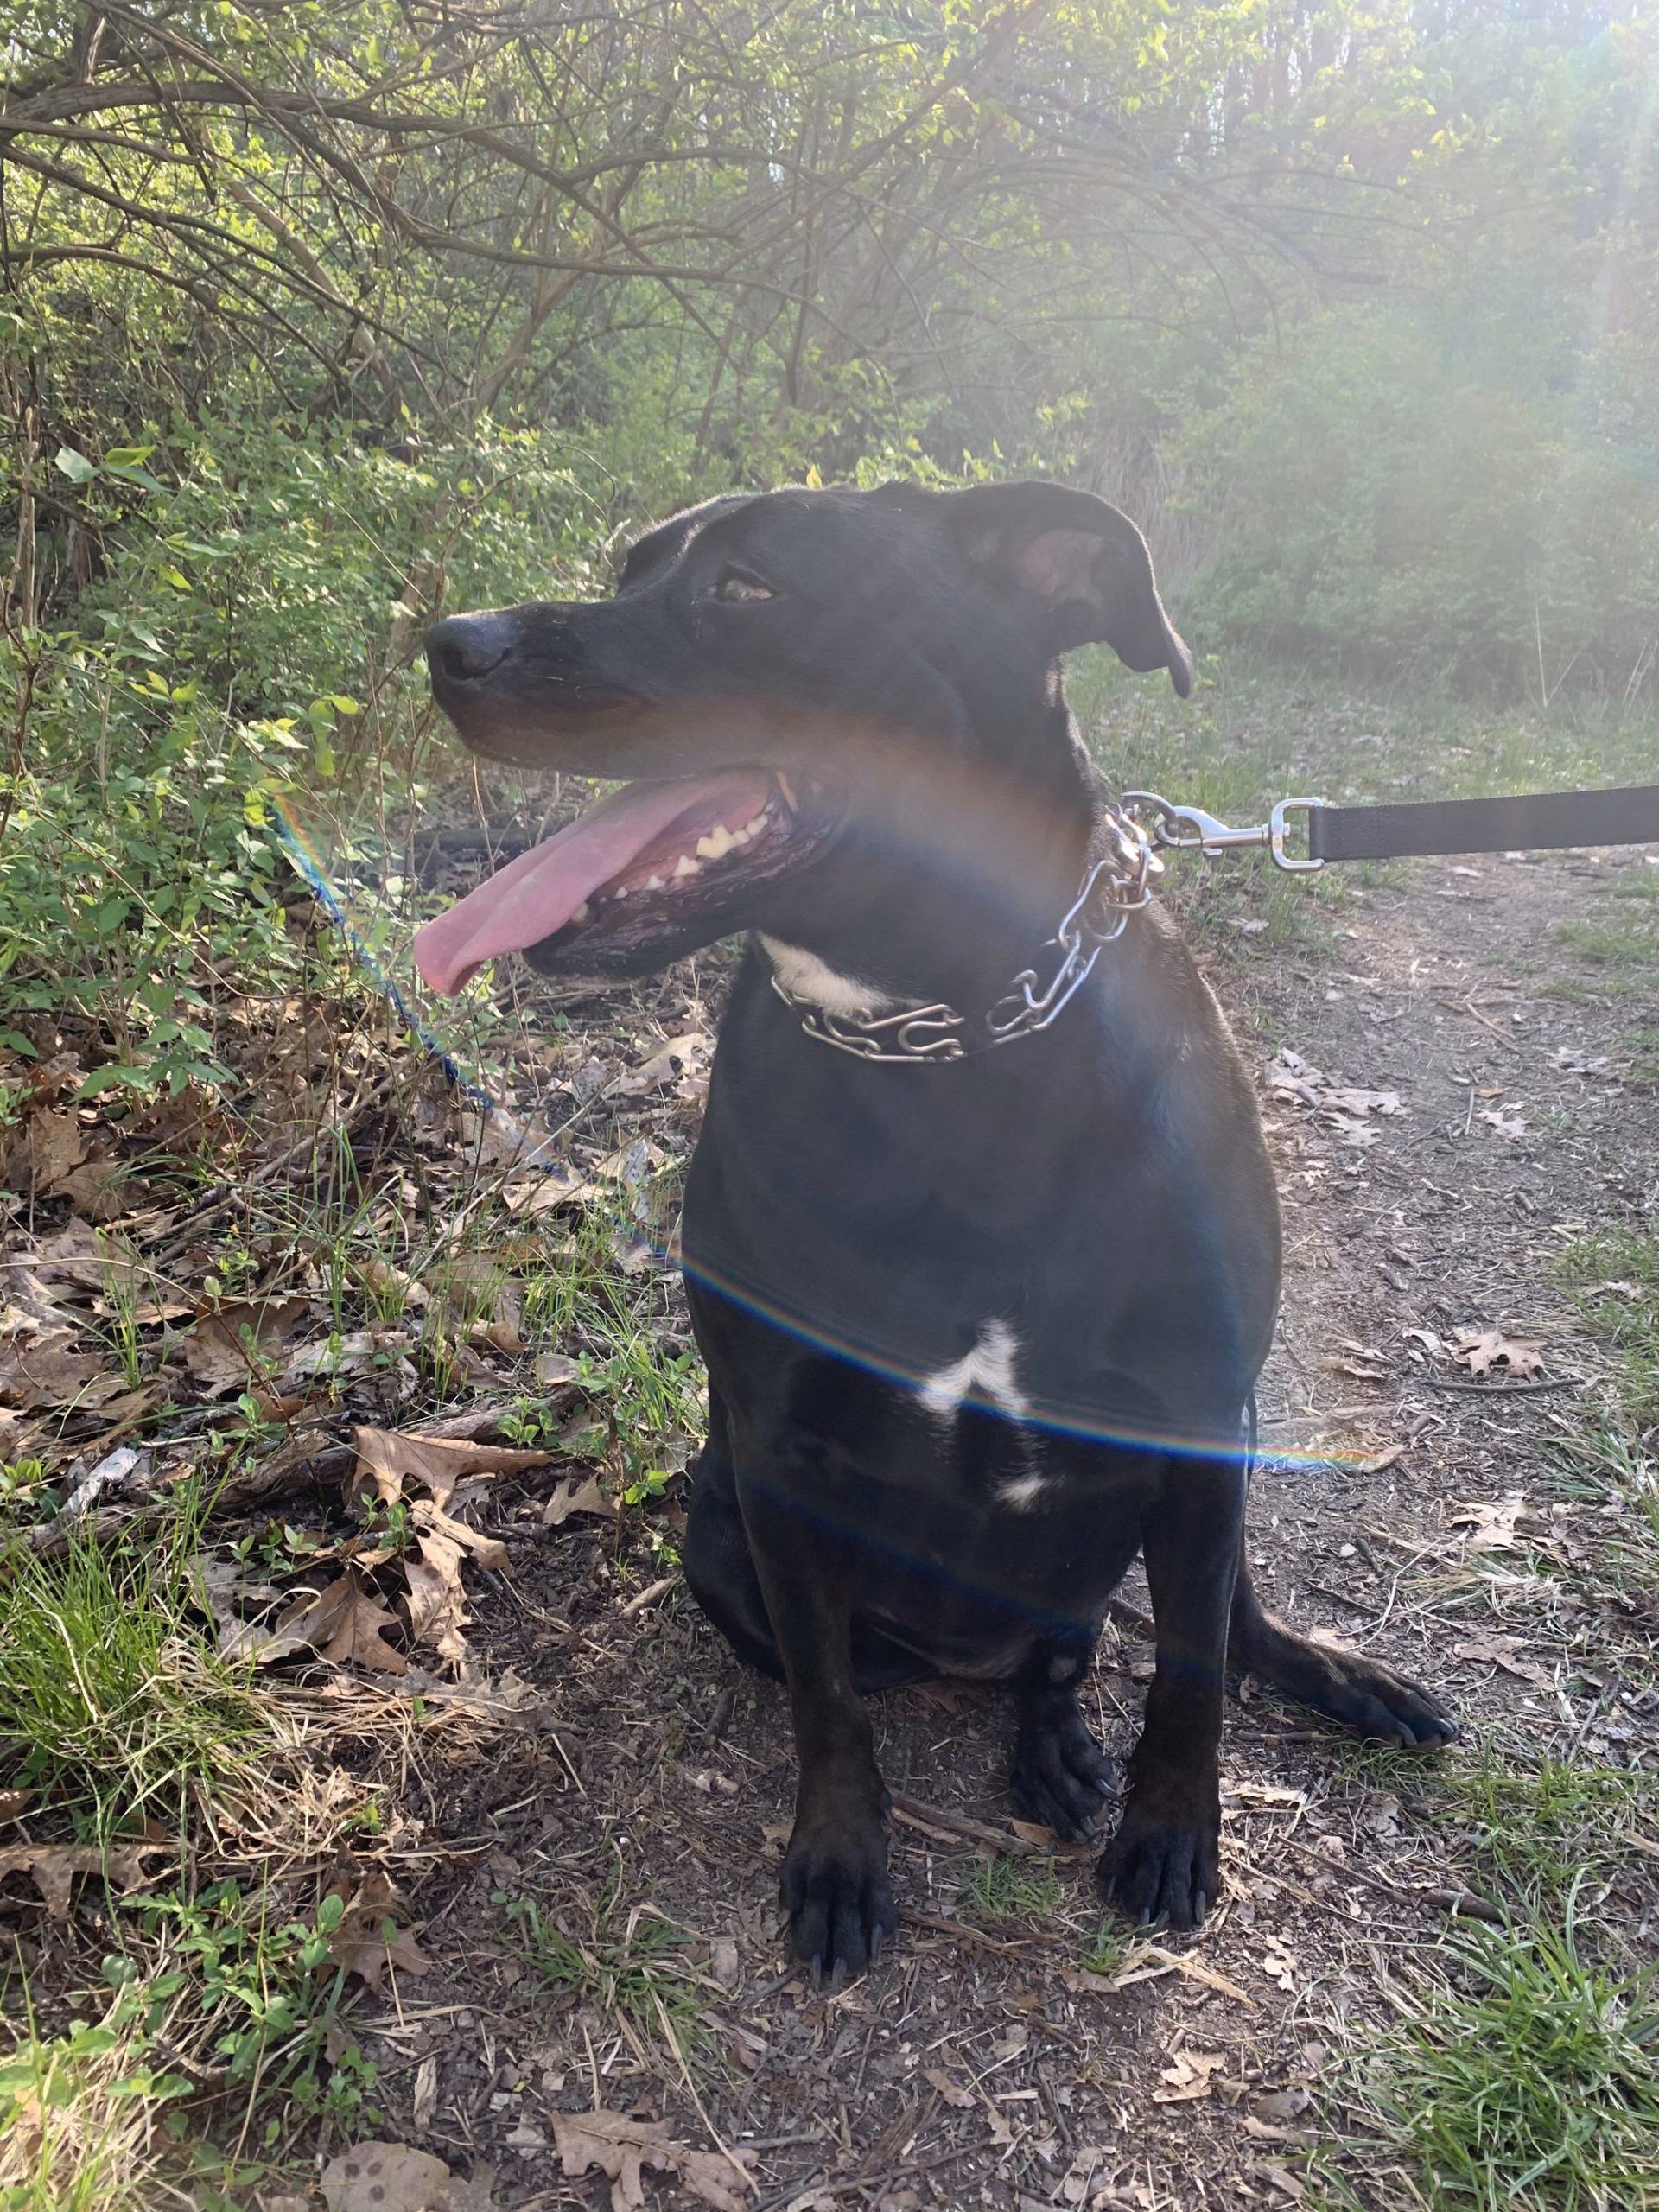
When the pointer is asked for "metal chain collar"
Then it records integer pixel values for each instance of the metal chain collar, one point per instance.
(1116, 885)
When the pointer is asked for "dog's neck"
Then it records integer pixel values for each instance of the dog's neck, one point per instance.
(952, 892)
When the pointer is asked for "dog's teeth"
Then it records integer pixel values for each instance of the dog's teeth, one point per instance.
(752, 828)
(653, 883)
(584, 913)
(685, 866)
(718, 840)
(620, 892)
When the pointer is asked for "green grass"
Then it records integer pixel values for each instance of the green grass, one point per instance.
(1628, 1318)
(77, 2118)
(1006, 1888)
(1110, 1947)
(209, 1986)
(1530, 2084)
(628, 1964)
(112, 1696)
(1522, 2073)
(1526, 1831)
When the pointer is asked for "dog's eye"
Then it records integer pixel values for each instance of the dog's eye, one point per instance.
(737, 589)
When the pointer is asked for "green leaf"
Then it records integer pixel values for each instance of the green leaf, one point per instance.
(75, 465)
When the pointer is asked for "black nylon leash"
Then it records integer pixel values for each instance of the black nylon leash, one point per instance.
(1535, 821)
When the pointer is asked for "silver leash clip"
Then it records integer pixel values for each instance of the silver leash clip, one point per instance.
(1189, 829)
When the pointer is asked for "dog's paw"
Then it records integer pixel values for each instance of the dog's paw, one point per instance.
(1061, 1778)
(1376, 1703)
(1165, 1861)
(836, 1892)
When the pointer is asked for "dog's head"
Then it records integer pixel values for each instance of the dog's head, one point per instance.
(784, 680)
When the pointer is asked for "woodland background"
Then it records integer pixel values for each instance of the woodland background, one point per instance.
(315, 318)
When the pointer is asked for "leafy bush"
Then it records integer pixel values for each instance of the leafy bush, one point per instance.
(253, 629)
(1393, 496)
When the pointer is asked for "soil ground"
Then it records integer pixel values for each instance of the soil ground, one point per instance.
(1021, 2048)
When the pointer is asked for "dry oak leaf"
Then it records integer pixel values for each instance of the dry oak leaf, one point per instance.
(1511, 1125)
(223, 1350)
(1482, 1350)
(1491, 1524)
(571, 1497)
(430, 1519)
(1191, 2076)
(367, 1940)
(621, 2145)
(53, 1866)
(42, 1372)
(341, 1622)
(358, 1634)
(1502, 1651)
(955, 2095)
(437, 1612)
(386, 2177)
(43, 1151)
(1361, 1102)
(390, 1459)
(77, 1254)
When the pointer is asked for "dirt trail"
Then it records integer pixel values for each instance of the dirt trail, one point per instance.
(1032, 2058)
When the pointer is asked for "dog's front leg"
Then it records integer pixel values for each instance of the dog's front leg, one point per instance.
(835, 1881)
(1164, 1862)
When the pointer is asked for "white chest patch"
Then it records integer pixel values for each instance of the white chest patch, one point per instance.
(804, 976)
(988, 1369)
(989, 1373)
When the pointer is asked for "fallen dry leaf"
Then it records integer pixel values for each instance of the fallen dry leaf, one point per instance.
(340, 1622)
(1482, 1350)
(1345, 1106)
(53, 1866)
(386, 2177)
(488, 1551)
(226, 1349)
(1282, 2106)
(1491, 1524)
(41, 1370)
(672, 1062)
(391, 1458)
(77, 1255)
(367, 1940)
(42, 1153)
(1360, 1103)
(1510, 1125)
(955, 2095)
(510, 1701)
(620, 2145)
(97, 1188)
(1380, 1460)
(358, 1635)
(1192, 2074)
(437, 1612)
(572, 1496)
(1502, 1651)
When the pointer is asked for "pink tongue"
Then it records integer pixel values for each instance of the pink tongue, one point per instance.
(537, 893)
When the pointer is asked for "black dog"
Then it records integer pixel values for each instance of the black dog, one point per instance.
(984, 1294)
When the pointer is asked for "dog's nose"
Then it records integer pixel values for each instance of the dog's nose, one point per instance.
(466, 648)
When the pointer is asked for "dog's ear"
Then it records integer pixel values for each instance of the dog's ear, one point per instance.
(1084, 566)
